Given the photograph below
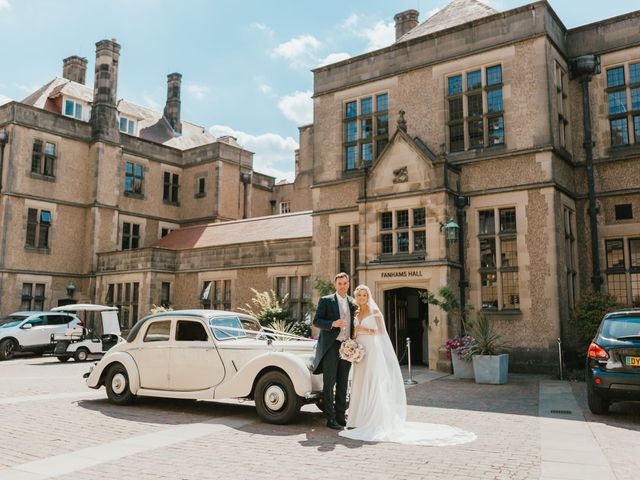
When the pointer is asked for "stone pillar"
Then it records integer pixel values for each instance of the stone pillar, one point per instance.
(406, 21)
(74, 68)
(172, 107)
(104, 113)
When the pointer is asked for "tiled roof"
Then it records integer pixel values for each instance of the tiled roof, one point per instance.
(261, 229)
(456, 13)
(151, 124)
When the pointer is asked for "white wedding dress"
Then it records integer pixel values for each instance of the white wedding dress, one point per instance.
(378, 403)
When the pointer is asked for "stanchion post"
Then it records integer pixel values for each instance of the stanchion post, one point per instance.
(560, 357)
(410, 380)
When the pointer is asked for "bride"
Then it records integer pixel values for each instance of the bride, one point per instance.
(378, 404)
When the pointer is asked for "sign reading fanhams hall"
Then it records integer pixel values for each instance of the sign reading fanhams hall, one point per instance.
(461, 155)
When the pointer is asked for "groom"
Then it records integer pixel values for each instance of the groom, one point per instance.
(334, 318)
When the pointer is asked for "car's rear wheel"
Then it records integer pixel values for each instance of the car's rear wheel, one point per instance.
(81, 355)
(597, 404)
(63, 359)
(276, 399)
(117, 385)
(7, 349)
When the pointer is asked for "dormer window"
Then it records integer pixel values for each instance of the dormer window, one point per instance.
(73, 109)
(127, 125)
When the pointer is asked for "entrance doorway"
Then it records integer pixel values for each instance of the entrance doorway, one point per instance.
(406, 316)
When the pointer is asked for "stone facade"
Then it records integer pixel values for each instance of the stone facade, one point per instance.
(528, 277)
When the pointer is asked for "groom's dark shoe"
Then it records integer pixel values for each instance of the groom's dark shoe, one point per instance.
(331, 423)
(341, 421)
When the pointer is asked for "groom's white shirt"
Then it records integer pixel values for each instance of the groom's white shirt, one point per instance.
(343, 305)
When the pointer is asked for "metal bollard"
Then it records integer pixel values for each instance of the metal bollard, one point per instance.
(410, 380)
(560, 356)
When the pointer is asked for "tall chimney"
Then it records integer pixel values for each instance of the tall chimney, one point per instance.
(104, 113)
(74, 68)
(406, 21)
(172, 107)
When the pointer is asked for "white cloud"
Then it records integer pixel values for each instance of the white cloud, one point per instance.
(297, 107)
(198, 91)
(28, 89)
(299, 50)
(266, 89)
(333, 58)
(4, 4)
(150, 102)
(350, 21)
(261, 27)
(274, 154)
(3, 98)
(379, 36)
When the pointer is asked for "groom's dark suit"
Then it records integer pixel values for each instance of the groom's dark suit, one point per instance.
(335, 371)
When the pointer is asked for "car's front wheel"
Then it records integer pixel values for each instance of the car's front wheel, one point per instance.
(7, 349)
(597, 404)
(276, 399)
(117, 385)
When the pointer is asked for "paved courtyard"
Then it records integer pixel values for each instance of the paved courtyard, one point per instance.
(52, 426)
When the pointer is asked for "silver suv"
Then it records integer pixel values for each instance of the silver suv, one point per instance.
(31, 331)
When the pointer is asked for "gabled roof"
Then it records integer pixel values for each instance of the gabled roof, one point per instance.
(456, 13)
(415, 142)
(260, 229)
(151, 124)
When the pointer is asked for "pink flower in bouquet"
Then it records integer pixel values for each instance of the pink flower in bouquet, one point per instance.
(351, 351)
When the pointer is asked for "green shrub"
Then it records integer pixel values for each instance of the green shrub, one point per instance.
(488, 342)
(588, 314)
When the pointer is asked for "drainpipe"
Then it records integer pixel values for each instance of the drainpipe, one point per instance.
(583, 68)
(4, 138)
(461, 202)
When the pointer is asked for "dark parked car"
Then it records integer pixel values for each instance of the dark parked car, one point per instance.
(613, 361)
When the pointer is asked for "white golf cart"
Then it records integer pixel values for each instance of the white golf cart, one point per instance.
(100, 332)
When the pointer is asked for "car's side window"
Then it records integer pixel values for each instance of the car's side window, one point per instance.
(38, 322)
(187, 331)
(158, 331)
(227, 327)
(58, 319)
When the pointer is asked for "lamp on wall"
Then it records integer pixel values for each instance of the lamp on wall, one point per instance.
(71, 289)
(451, 231)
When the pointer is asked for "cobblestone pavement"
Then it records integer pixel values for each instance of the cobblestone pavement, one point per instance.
(54, 427)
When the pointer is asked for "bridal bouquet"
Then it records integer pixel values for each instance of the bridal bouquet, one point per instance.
(351, 351)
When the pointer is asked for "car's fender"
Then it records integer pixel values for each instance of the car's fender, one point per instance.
(242, 382)
(97, 376)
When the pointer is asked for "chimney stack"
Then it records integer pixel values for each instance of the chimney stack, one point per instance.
(74, 68)
(406, 21)
(172, 107)
(104, 113)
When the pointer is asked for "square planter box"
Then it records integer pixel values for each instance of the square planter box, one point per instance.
(493, 369)
(461, 368)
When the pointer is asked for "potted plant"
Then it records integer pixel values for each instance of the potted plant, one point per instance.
(461, 359)
(489, 365)
(459, 351)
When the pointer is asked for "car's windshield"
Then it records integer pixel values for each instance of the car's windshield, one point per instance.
(224, 328)
(621, 327)
(11, 321)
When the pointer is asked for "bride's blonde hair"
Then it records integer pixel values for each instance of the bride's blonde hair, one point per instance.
(355, 294)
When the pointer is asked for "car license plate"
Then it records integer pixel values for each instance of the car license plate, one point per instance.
(633, 361)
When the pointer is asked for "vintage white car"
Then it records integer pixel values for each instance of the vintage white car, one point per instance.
(209, 354)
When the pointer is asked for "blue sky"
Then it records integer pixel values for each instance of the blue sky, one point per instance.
(245, 63)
